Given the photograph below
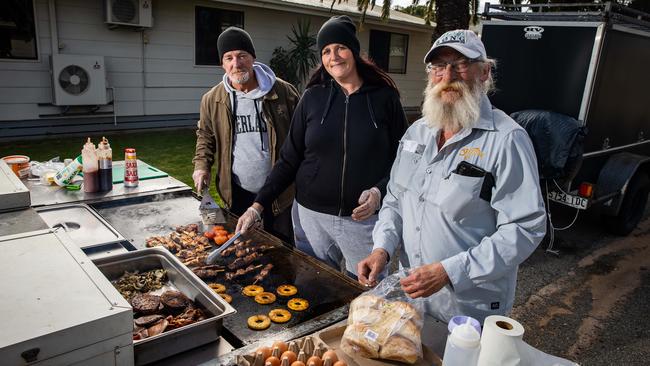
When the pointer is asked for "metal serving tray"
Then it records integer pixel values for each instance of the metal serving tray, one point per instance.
(84, 226)
(177, 340)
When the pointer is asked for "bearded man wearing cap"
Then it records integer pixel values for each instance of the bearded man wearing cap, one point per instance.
(243, 122)
(463, 195)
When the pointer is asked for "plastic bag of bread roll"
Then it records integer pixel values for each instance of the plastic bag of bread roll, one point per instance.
(384, 323)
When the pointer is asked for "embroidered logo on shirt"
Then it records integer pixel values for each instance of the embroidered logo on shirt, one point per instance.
(468, 152)
(494, 305)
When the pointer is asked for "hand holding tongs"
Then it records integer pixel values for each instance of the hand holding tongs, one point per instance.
(249, 219)
(212, 257)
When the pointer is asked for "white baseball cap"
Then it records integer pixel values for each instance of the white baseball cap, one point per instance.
(462, 40)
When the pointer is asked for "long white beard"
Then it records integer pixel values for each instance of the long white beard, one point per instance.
(463, 113)
(240, 78)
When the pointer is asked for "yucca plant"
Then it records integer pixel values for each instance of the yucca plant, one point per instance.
(303, 56)
(295, 64)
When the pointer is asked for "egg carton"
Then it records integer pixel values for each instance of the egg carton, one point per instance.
(307, 351)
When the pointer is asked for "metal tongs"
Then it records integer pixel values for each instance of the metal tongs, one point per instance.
(211, 213)
(212, 257)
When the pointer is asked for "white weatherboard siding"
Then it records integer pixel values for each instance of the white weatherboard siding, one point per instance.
(154, 72)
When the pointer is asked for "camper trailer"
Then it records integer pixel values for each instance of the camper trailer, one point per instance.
(576, 77)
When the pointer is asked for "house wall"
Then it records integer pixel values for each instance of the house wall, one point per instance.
(153, 71)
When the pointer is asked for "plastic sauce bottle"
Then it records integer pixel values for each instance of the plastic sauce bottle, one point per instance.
(105, 155)
(65, 175)
(90, 167)
(463, 346)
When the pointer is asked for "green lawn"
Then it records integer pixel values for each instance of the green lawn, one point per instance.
(168, 150)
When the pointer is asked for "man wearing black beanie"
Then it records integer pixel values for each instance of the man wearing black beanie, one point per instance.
(243, 122)
(232, 39)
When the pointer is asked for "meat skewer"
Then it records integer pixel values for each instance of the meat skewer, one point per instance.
(263, 273)
(206, 273)
(254, 248)
(211, 267)
(242, 261)
(241, 271)
(238, 245)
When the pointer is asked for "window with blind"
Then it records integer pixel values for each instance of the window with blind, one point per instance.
(208, 25)
(17, 30)
(389, 50)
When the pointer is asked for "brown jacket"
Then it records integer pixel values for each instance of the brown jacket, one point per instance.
(214, 135)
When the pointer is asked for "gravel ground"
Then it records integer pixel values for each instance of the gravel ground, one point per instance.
(590, 303)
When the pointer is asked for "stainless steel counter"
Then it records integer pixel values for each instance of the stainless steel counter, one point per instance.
(21, 221)
(43, 195)
(60, 309)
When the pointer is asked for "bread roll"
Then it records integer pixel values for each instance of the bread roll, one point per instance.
(399, 349)
(356, 342)
(378, 328)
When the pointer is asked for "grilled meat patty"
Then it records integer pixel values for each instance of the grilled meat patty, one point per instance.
(174, 300)
(145, 303)
(143, 321)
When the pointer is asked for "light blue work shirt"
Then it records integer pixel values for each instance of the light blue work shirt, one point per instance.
(439, 217)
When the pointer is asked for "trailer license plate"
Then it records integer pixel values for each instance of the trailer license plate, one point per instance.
(569, 200)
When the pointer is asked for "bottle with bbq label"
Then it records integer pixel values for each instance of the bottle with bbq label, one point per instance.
(90, 167)
(130, 168)
(105, 155)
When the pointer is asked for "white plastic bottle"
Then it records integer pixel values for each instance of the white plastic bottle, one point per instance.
(65, 175)
(463, 346)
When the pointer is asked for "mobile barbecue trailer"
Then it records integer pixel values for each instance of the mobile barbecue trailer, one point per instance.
(589, 62)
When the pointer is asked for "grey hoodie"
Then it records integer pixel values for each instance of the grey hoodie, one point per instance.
(251, 158)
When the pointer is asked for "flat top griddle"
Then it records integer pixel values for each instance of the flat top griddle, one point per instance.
(324, 288)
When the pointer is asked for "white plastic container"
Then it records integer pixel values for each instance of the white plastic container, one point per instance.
(463, 346)
(65, 175)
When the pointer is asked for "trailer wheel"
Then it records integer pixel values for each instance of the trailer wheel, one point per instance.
(632, 207)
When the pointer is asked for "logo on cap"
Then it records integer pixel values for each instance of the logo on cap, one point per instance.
(452, 37)
(533, 32)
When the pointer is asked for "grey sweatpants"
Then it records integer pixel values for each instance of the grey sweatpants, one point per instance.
(332, 238)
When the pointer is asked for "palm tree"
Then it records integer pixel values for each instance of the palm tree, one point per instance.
(447, 14)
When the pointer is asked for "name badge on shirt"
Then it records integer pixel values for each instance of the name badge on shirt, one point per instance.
(412, 146)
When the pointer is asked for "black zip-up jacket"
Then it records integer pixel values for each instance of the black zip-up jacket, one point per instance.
(337, 147)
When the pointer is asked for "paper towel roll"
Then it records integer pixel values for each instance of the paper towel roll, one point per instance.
(502, 345)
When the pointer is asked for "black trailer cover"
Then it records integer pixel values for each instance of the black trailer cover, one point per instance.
(557, 139)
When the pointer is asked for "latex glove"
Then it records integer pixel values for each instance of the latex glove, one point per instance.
(200, 178)
(251, 218)
(369, 203)
(370, 267)
(425, 281)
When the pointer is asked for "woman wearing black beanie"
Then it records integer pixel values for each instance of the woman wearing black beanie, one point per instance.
(340, 149)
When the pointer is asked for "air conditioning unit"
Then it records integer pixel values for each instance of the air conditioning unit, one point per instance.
(78, 80)
(135, 13)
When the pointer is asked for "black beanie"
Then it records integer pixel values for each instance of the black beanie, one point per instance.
(233, 39)
(339, 29)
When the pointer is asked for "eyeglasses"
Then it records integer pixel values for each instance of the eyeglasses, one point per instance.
(459, 66)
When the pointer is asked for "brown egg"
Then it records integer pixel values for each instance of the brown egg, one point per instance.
(266, 352)
(330, 354)
(314, 361)
(290, 355)
(340, 363)
(281, 345)
(298, 363)
(272, 361)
